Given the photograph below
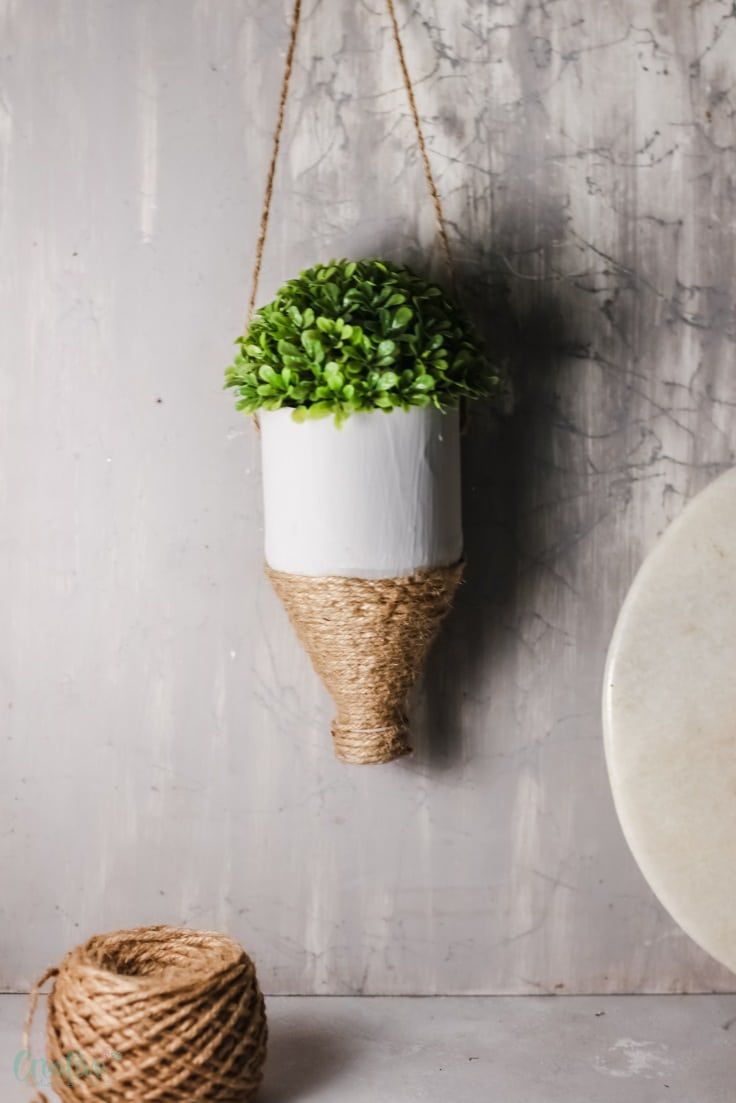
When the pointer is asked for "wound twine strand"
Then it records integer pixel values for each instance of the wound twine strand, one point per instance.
(154, 1015)
(367, 639)
(276, 145)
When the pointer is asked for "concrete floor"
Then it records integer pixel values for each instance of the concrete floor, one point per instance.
(641, 1049)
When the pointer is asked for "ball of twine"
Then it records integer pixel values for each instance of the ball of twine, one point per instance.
(368, 639)
(156, 1015)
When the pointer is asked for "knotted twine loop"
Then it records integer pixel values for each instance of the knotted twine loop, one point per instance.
(276, 146)
(156, 1014)
(367, 639)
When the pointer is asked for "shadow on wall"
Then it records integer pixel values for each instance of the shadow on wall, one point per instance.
(502, 478)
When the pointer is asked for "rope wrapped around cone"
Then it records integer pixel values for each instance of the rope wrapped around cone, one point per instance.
(156, 1014)
(368, 639)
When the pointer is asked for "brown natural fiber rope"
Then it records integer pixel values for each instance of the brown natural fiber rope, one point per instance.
(154, 1015)
(266, 210)
(428, 174)
(276, 145)
(368, 639)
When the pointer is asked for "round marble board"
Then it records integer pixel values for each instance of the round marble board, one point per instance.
(669, 711)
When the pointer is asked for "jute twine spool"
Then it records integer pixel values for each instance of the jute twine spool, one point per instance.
(155, 1015)
(367, 639)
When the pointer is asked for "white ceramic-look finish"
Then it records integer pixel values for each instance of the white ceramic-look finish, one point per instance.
(670, 719)
(375, 498)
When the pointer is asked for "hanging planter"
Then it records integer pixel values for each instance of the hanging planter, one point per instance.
(356, 371)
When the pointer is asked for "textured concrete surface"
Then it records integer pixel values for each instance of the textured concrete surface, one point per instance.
(644, 1049)
(165, 747)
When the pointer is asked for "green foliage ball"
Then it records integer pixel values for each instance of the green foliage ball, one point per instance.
(358, 335)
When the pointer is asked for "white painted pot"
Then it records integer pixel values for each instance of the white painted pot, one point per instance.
(378, 497)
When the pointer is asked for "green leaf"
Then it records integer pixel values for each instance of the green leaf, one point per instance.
(402, 317)
(312, 344)
(333, 292)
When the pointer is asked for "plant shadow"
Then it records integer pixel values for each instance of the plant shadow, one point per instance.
(500, 483)
(301, 1059)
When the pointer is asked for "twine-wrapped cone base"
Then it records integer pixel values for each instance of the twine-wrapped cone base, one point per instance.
(368, 639)
(156, 1014)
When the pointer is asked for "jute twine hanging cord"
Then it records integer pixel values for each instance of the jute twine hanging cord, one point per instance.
(153, 1014)
(276, 146)
(367, 638)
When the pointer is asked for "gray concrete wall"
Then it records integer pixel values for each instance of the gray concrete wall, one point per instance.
(165, 749)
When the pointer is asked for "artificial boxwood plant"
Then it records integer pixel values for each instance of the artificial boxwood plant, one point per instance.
(358, 335)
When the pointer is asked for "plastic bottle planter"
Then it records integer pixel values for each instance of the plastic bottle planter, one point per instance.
(349, 369)
(363, 546)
